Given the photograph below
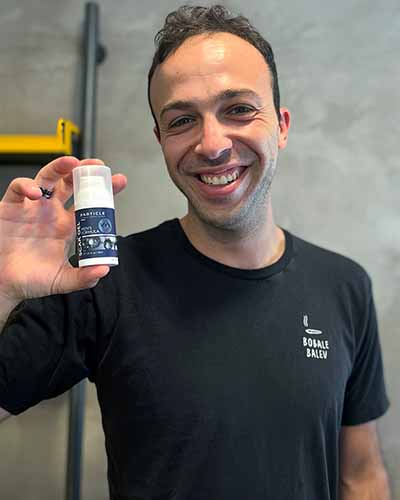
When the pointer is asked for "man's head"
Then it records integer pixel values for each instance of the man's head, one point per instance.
(216, 106)
(188, 21)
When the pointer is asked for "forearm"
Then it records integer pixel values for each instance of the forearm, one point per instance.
(373, 487)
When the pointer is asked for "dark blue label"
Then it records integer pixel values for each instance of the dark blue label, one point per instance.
(95, 233)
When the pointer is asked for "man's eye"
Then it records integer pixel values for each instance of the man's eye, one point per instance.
(240, 110)
(181, 121)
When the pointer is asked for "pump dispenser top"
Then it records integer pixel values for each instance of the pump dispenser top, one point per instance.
(92, 186)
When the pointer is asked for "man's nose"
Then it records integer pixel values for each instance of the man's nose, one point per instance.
(214, 142)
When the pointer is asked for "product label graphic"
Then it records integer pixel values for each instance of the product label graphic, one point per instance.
(95, 233)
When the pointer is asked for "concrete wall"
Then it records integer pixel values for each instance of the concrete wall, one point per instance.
(337, 183)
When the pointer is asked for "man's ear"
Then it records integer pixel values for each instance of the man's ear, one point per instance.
(284, 126)
(157, 133)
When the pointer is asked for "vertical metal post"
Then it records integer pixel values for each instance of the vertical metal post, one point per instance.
(75, 439)
(94, 54)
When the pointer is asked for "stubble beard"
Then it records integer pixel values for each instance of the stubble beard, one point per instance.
(244, 219)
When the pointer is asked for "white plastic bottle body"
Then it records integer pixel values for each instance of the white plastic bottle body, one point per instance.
(96, 240)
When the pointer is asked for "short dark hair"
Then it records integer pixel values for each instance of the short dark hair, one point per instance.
(188, 21)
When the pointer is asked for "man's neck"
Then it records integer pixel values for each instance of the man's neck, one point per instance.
(259, 248)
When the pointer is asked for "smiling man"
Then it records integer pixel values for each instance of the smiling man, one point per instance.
(232, 359)
(220, 133)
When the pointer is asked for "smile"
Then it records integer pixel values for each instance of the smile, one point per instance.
(222, 179)
(215, 186)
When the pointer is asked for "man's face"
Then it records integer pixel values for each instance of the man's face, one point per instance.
(219, 131)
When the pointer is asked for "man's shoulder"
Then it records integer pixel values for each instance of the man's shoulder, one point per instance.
(330, 263)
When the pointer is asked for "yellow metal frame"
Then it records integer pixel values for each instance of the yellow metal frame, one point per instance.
(61, 143)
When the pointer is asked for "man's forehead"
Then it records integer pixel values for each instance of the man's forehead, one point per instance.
(199, 54)
(217, 59)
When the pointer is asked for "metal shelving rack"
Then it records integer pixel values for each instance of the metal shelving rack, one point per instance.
(38, 150)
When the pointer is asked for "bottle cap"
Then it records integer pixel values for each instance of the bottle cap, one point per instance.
(92, 186)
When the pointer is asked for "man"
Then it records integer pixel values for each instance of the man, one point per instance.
(232, 359)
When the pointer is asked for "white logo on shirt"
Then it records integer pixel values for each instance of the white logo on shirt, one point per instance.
(310, 331)
(314, 348)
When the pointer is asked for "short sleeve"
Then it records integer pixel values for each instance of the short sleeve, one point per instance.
(46, 347)
(365, 397)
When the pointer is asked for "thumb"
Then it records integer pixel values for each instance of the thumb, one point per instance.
(72, 279)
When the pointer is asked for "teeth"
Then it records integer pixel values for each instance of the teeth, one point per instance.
(224, 179)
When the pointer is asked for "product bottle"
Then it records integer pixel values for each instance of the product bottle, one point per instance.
(96, 241)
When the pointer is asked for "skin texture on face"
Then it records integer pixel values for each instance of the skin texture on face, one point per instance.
(214, 105)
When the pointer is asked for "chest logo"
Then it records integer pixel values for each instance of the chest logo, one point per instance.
(310, 331)
(314, 348)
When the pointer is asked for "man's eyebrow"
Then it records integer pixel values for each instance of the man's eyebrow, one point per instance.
(221, 96)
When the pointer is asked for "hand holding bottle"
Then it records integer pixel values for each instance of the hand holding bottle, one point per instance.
(36, 233)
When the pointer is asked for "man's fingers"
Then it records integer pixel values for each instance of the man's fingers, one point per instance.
(57, 172)
(50, 174)
(64, 187)
(73, 279)
(119, 182)
(21, 188)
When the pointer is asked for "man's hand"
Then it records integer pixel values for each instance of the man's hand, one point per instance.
(36, 233)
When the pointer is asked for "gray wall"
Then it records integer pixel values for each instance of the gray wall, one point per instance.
(337, 182)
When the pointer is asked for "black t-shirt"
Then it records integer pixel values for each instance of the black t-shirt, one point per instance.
(214, 382)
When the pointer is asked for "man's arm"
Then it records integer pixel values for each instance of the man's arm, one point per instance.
(362, 472)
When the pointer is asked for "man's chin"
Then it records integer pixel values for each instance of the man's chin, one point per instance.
(228, 221)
